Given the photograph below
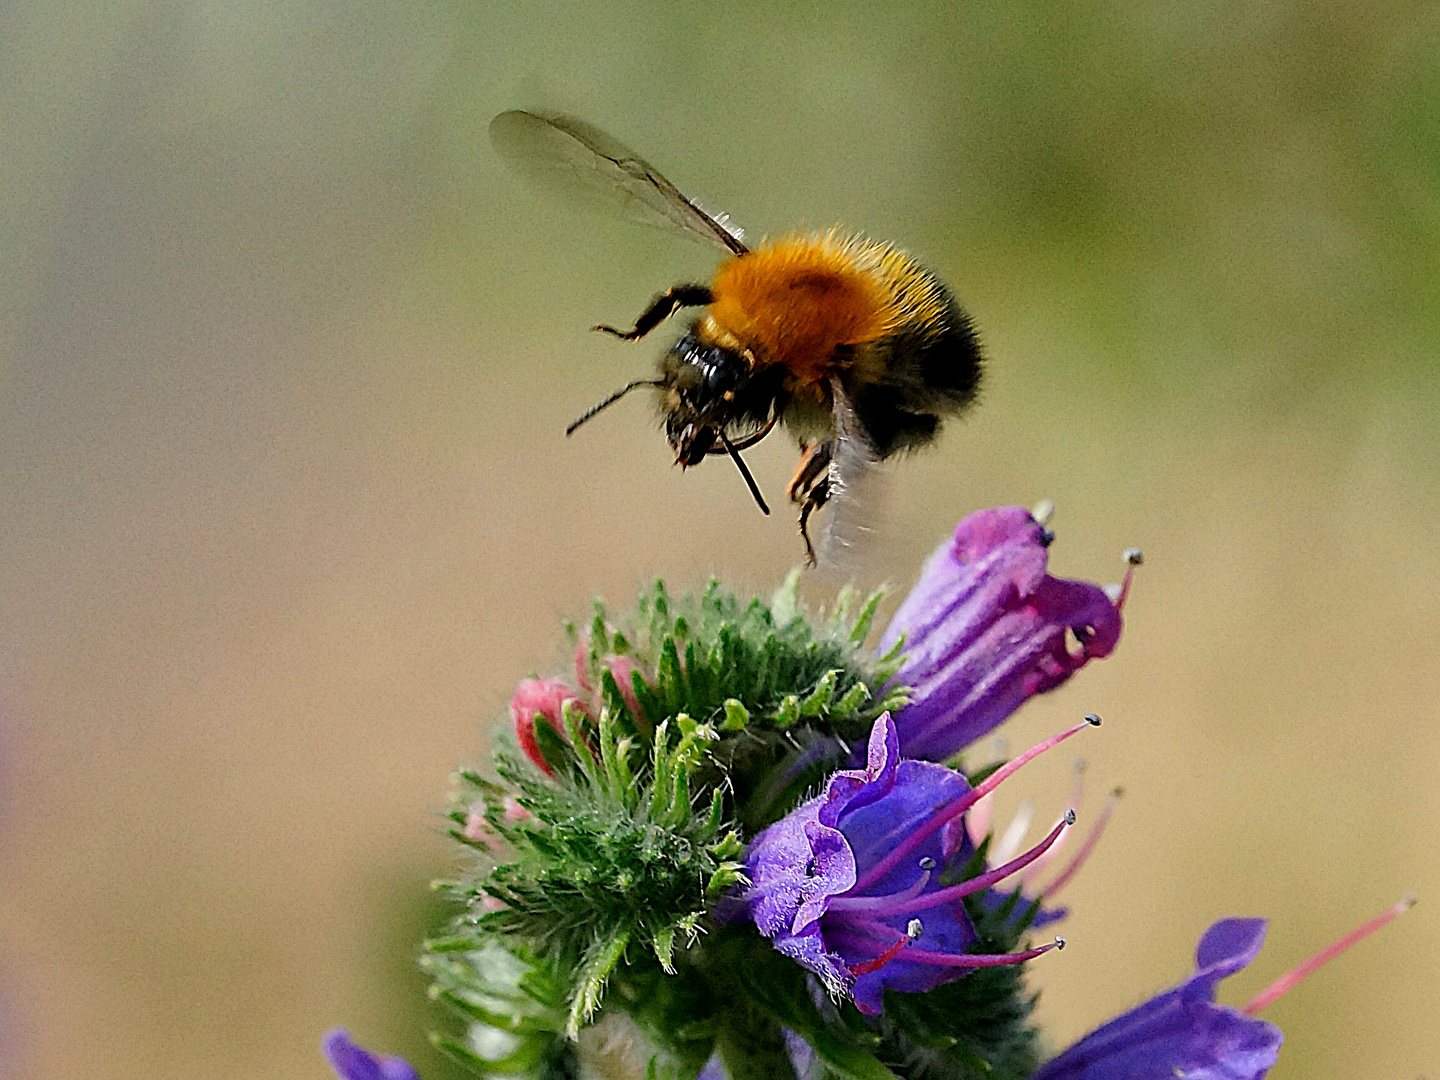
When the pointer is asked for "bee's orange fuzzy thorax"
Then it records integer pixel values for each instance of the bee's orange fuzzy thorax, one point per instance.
(793, 301)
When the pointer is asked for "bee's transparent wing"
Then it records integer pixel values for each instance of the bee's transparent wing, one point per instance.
(856, 488)
(580, 160)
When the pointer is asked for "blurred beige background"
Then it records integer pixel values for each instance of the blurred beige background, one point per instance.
(285, 507)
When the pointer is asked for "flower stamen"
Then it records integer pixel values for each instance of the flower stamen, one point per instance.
(865, 967)
(955, 808)
(1287, 982)
(1077, 800)
(896, 905)
(974, 960)
(872, 903)
(1091, 839)
(1133, 557)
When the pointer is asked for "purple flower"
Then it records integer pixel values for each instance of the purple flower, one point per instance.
(353, 1062)
(1182, 1032)
(848, 884)
(985, 629)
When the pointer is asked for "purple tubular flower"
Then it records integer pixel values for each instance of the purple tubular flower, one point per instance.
(985, 629)
(847, 885)
(1182, 1032)
(353, 1062)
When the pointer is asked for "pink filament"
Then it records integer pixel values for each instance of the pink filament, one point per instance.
(1077, 799)
(923, 956)
(900, 904)
(863, 903)
(1091, 839)
(956, 807)
(1133, 559)
(1291, 979)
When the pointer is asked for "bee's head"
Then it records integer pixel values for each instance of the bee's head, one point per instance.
(699, 383)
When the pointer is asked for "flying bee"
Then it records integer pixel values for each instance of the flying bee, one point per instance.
(859, 351)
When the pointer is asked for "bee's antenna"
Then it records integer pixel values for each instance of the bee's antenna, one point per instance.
(744, 471)
(607, 402)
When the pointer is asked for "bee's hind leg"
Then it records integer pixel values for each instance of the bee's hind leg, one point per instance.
(661, 308)
(810, 487)
(815, 498)
(814, 463)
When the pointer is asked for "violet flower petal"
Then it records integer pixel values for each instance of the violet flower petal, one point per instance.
(1182, 1032)
(353, 1062)
(799, 865)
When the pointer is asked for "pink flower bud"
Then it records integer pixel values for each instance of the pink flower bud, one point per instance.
(476, 827)
(540, 698)
(514, 811)
(622, 667)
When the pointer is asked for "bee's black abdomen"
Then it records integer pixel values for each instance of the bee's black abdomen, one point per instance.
(953, 363)
(931, 370)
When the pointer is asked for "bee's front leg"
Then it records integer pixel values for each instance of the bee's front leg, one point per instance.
(661, 308)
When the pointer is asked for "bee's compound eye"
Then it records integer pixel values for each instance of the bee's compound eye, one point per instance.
(723, 372)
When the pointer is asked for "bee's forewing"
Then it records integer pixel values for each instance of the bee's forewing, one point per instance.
(583, 162)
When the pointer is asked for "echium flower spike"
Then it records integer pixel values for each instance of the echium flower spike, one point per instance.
(837, 884)
(986, 628)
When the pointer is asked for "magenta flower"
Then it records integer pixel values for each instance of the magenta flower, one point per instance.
(353, 1062)
(848, 884)
(985, 629)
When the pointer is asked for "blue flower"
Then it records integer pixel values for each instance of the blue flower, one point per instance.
(986, 629)
(353, 1062)
(1182, 1032)
(848, 884)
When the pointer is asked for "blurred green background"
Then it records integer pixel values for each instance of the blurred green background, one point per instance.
(286, 510)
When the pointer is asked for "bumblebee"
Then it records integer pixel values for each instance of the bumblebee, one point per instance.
(858, 350)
